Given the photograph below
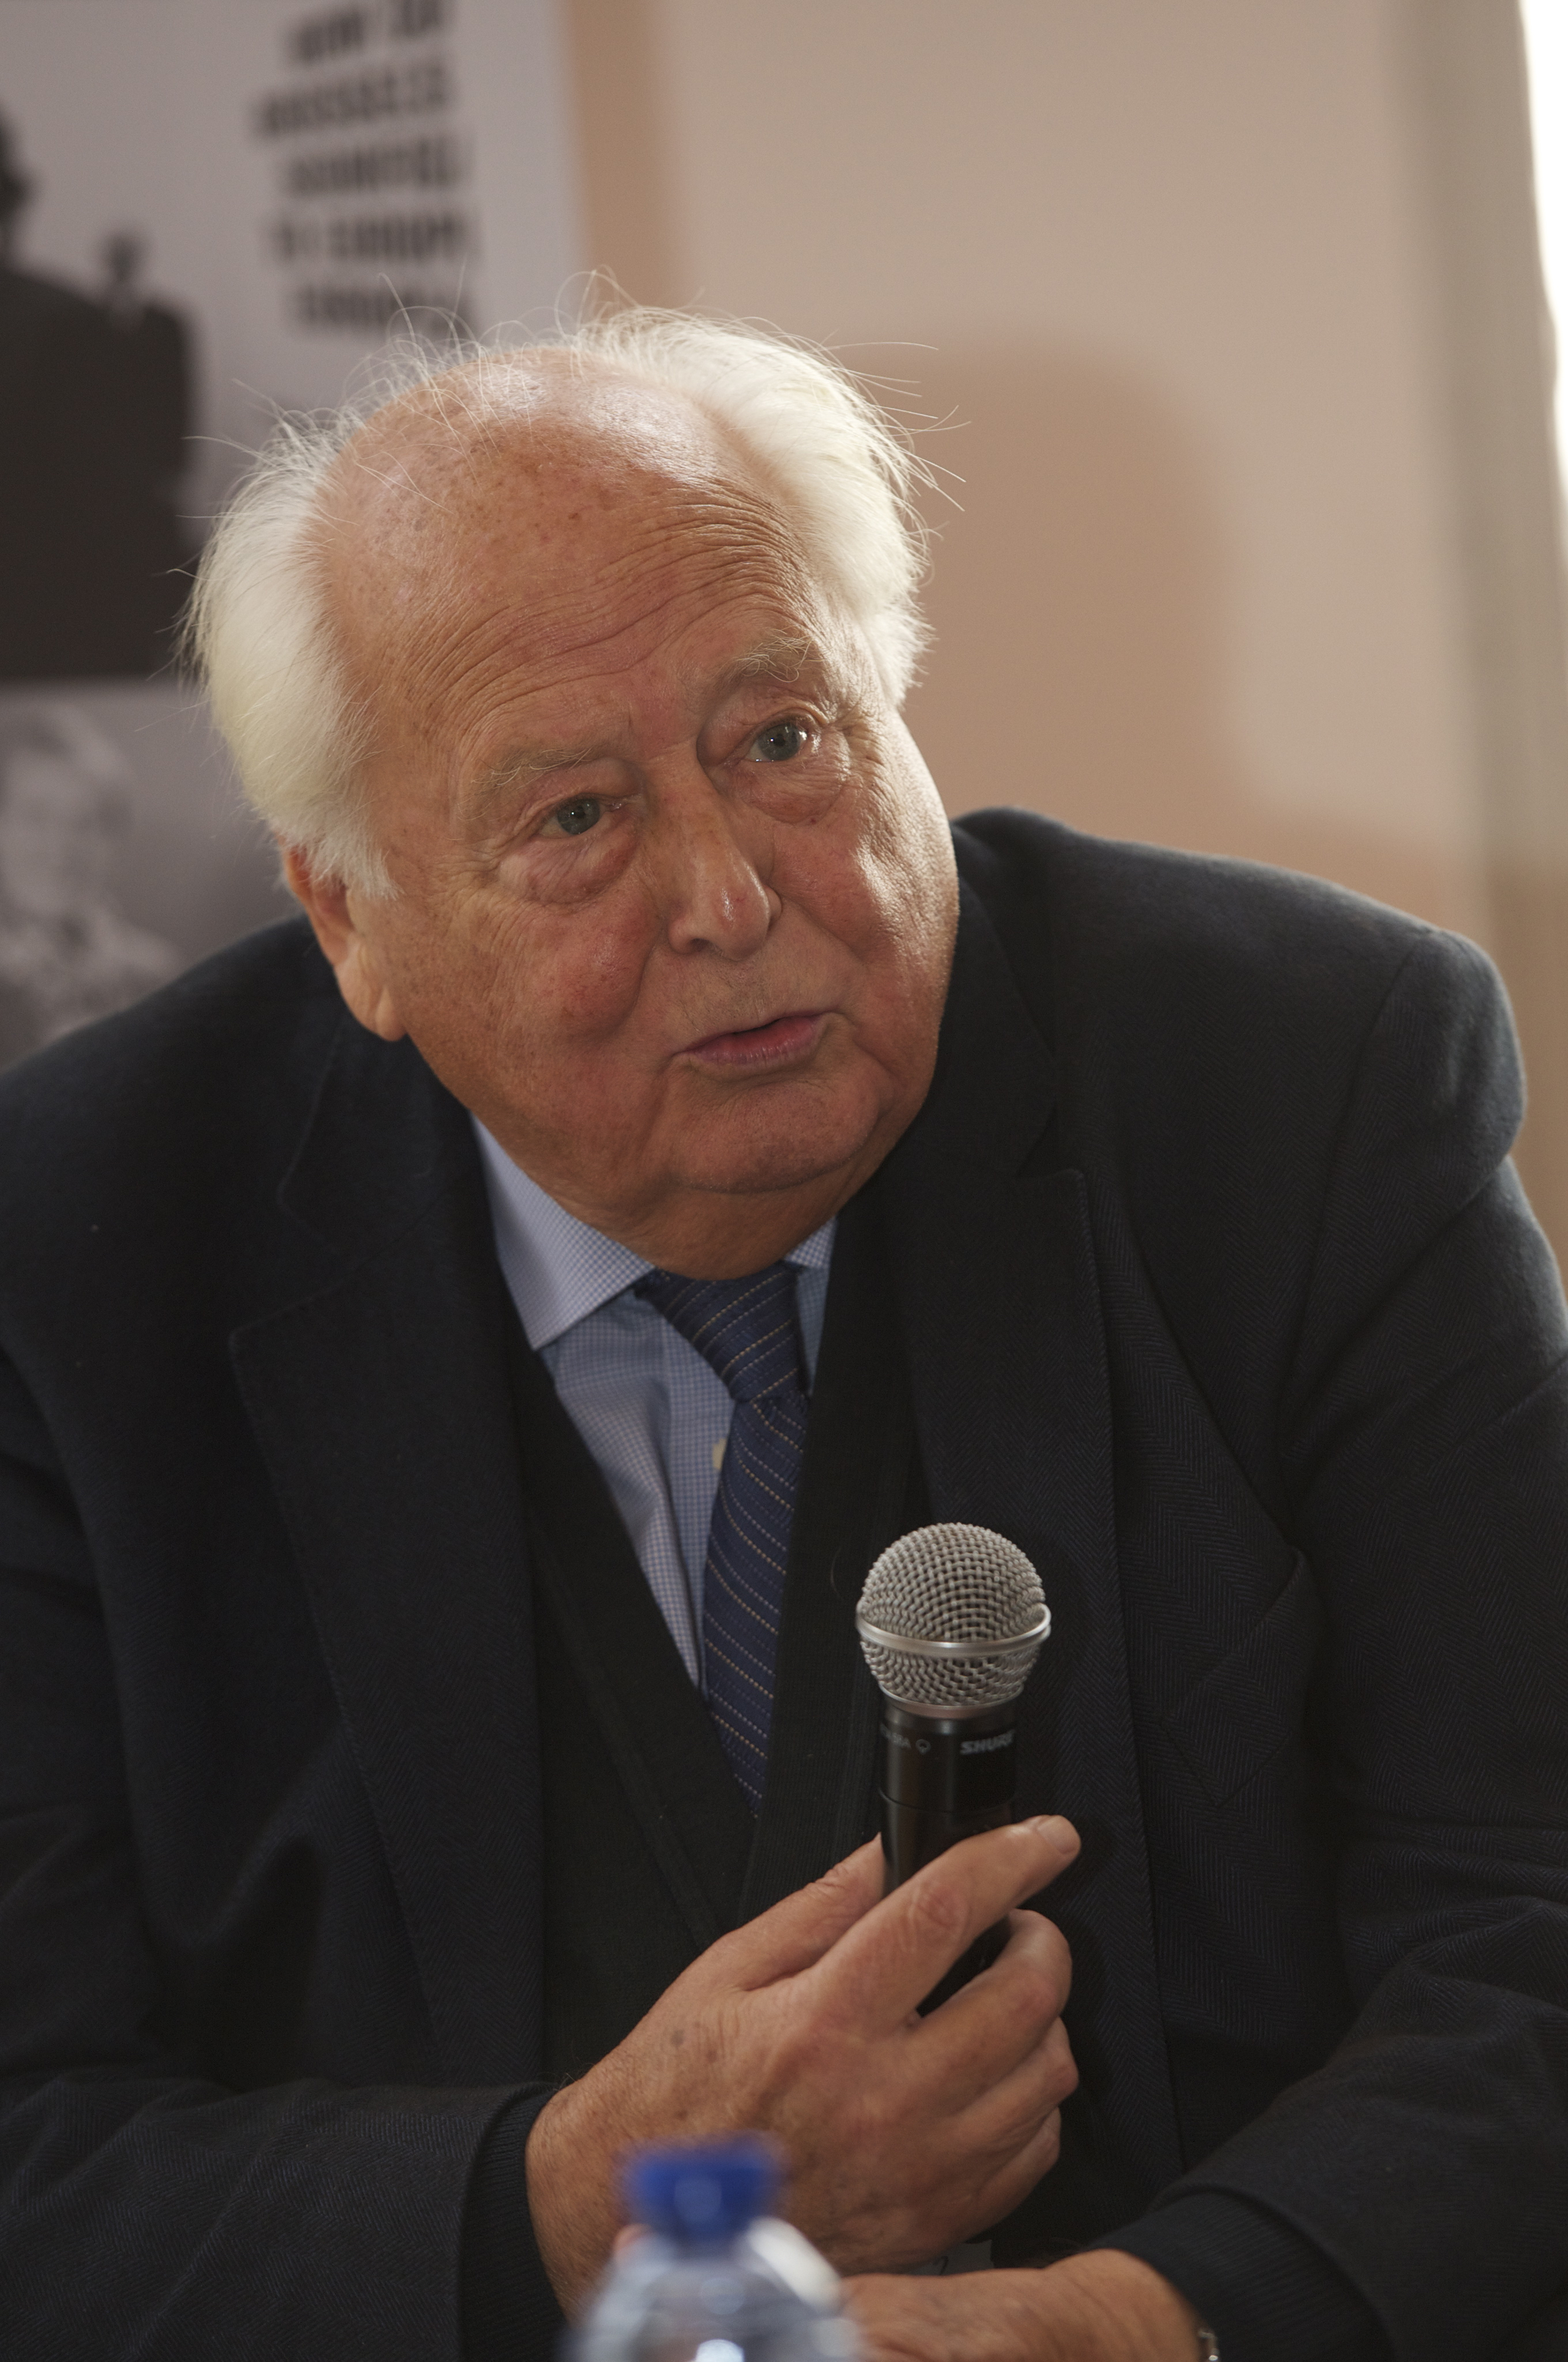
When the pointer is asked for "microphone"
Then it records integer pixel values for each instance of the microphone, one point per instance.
(950, 1621)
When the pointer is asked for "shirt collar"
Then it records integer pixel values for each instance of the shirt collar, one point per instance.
(560, 1270)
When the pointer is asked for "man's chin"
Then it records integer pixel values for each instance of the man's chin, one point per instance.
(784, 1161)
(799, 1135)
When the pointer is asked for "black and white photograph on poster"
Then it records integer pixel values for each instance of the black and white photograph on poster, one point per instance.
(212, 211)
(124, 855)
(95, 423)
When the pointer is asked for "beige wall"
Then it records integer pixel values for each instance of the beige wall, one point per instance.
(1170, 280)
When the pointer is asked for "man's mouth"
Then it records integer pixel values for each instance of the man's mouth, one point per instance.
(782, 1041)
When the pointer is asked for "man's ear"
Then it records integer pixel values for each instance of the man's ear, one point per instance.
(328, 905)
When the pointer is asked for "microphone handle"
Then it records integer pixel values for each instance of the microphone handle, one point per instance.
(945, 1778)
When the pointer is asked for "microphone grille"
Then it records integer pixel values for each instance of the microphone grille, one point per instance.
(952, 1582)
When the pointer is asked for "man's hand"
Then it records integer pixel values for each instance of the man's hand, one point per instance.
(1106, 2307)
(902, 2134)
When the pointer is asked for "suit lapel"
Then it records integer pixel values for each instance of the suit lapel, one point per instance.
(996, 1276)
(381, 1408)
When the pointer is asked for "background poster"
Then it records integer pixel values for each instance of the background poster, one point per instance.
(209, 209)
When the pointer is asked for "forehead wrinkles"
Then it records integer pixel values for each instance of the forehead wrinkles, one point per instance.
(590, 573)
(618, 594)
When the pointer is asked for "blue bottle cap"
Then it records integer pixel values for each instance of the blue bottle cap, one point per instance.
(700, 2194)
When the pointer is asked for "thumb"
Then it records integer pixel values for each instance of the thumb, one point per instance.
(795, 1934)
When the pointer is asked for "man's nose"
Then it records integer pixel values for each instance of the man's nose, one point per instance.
(710, 859)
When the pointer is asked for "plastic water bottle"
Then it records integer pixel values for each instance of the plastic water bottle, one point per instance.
(712, 2276)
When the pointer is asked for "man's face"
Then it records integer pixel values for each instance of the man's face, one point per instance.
(676, 899)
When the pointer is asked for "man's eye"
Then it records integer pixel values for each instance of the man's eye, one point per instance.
(779, 743)
(576, 818)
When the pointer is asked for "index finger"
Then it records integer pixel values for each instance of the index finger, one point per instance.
(884, 1965)
(797, 1931)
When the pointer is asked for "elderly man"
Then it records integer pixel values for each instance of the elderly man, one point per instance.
(435, 1758)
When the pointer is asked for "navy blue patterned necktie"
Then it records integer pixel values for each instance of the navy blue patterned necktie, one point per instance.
(747, 1328)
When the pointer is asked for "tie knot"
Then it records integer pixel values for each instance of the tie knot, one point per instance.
(746, 1329)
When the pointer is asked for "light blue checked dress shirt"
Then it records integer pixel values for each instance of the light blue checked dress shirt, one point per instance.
(652, 1411)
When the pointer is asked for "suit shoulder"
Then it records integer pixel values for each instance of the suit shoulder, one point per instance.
(1187, 940)
(228, 1047)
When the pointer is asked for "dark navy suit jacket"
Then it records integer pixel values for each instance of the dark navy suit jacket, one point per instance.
(1215, 1291)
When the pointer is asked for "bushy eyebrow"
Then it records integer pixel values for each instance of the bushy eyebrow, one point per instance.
(781, 657)
(523, 765)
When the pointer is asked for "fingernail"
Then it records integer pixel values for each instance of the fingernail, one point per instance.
(1059, 1830)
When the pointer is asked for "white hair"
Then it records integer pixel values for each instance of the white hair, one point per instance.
(258, 624)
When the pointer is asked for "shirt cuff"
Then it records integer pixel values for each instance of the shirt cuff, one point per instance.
(510, 2313)
(1268, 2293)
